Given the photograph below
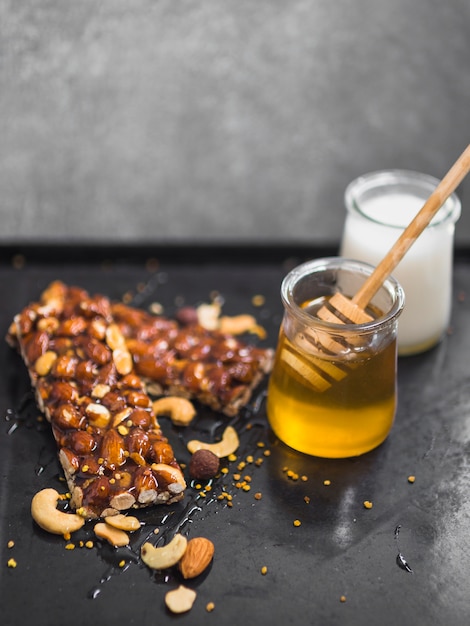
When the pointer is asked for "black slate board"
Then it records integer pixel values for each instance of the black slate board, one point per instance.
(406, 560)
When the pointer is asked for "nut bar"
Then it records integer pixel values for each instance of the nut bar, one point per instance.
(111, 447)
(186, 359)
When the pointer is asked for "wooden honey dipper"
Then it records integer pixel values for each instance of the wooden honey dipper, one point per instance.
(341, 309)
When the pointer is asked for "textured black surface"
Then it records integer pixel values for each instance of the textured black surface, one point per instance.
(340, 548)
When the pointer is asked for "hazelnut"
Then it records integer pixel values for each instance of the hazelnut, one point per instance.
(204, 464)
(186, 315)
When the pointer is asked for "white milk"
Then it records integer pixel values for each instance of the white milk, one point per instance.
(374, 224)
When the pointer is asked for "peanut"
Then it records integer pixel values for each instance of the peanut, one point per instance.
(122, 360)
(45, 362)
(100, 390)
(114, 337)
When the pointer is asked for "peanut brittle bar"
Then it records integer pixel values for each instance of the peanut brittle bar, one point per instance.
(111, 447)
(186, 359)
(92, 364)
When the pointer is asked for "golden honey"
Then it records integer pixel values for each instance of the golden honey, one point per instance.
(332, 392)
(352, 416)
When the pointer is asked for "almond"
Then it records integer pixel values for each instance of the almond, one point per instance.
(112, 449)
(198, 555)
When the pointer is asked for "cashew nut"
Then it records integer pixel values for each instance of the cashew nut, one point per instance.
(180, 410)
(239, 324)
(227, 445)
(114, 536)
(208, 315)
(123, 522)
(180, 600)
(46, 514)
(166, 556)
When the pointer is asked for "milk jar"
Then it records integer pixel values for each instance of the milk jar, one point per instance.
(379, 207)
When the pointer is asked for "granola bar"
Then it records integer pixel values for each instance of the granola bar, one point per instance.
(93, 363)
(111, 447)
(174, 358)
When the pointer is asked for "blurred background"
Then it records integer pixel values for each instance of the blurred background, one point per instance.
(163, 121)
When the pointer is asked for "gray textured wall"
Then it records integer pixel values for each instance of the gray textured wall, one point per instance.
(176, 120)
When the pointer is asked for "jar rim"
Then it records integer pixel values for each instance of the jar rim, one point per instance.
(392, 286)
(391, 180)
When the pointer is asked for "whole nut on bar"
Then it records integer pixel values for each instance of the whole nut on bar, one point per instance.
(122, 501)
(171, 475)
(45, 362)
(199, 553)
(49, 324)
(114, 337)
(111, 448)
(204, 465)
(98, 415)
(69, 461)
(122, 360)
(100, 391)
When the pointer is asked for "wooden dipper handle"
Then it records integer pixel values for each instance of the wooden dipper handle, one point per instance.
(386, 266)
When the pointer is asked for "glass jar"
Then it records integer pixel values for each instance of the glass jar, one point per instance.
(332, 391)
(379, 207)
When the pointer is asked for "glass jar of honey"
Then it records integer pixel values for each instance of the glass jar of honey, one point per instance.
(333, 390)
